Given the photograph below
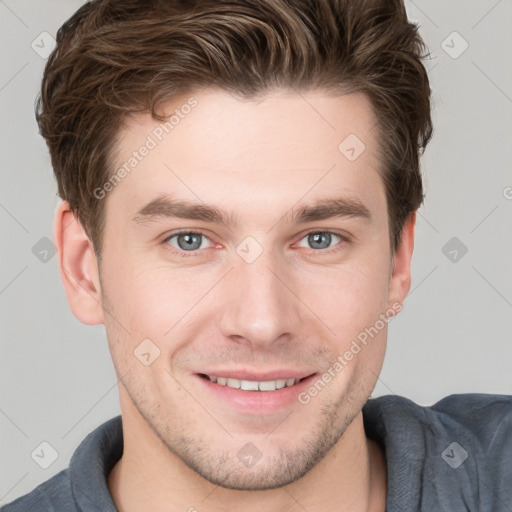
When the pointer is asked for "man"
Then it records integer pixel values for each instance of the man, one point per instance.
(240, 182)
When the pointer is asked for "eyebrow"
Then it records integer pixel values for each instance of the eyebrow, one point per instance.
(164, 207)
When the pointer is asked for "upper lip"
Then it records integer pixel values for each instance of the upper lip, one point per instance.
(259, 376)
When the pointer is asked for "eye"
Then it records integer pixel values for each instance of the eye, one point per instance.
(191, 242)
(320, 239)
(188, 241)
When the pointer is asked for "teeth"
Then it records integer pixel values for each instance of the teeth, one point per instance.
(268, 385)
(248, 385)
(281, 383)
(233, 383)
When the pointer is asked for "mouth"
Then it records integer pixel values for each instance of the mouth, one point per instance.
(271, 395)
(252, 385)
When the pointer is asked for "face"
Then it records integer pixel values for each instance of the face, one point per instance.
(247, 244)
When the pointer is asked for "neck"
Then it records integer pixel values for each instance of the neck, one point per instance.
(352, 476)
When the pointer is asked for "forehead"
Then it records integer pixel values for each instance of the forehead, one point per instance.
(280, 118)
(272, 149)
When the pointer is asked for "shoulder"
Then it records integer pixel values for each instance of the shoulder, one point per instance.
(52, 495)
(487, 418)
(455, 452)
(83, 485)
(481, 420)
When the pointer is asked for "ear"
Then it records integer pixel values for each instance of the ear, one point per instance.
(400, 281)
(78, 266)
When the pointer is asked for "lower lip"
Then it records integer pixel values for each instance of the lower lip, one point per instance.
(257, 402)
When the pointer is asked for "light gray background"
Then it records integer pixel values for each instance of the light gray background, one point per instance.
(453, 336)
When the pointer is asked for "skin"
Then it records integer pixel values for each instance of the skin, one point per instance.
(296, 306)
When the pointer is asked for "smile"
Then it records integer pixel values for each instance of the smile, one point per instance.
(248, 385)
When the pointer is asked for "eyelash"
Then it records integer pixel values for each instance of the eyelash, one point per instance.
(197, 252)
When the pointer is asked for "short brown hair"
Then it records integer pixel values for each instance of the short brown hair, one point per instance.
(116, 57)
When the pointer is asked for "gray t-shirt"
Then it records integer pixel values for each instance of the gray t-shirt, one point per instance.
(453, 456)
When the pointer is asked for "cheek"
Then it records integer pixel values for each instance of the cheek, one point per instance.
(349, 298)
(151, 298)
(352, 304)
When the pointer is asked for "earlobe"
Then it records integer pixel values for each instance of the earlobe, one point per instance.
(78, 266)
(400, 282)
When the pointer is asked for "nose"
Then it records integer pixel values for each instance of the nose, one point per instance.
(259, 306)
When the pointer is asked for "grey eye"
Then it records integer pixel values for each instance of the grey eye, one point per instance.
(187, 241)
(319, 240)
